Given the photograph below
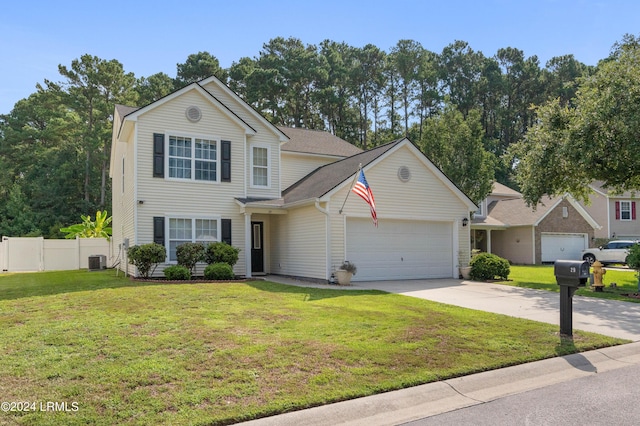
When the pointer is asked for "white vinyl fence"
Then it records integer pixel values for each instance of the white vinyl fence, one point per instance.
(21, 254)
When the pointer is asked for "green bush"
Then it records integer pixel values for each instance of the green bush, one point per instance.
(146, 257)
(219, 271)
(188, 254)
(177, 272)
(487, 266)
(221, 252)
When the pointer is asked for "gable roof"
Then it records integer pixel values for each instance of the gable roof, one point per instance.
(331, 177)
(598, 186)
(316, 142)
(325, 178)
(515, 212)
(499, 189)
(132, 113)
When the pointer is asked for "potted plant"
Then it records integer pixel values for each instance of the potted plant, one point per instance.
(464, 268)
(345, 272)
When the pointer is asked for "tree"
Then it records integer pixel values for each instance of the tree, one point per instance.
(406, 58)
(569, 148)
(198, 66)
(93, 87)
(90, 229)
(454, 144)
(154, 87)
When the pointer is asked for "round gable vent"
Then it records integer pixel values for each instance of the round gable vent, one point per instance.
(193, 114)
(404, 174)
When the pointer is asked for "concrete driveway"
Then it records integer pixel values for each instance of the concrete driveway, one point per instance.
(608, 317)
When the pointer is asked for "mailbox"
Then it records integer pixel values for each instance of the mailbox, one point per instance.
(571, 273)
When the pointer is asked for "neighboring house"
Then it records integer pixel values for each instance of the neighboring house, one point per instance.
(616, 213)
(558, 228)
(202, 165)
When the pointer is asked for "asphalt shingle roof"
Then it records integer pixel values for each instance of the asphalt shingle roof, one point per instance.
(325, 178)
(316, 142)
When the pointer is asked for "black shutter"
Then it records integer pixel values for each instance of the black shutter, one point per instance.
(226, 161)
(158, 230)
(226, 231)
(158, 155)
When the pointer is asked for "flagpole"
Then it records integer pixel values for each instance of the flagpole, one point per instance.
(355, 178)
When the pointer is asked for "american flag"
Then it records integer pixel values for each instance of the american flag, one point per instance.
(363, 190)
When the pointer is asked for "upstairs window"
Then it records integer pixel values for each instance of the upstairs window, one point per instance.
(625, 210)
(260, 171)
(193, 158)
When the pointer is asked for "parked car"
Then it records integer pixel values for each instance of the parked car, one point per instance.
(612, 252)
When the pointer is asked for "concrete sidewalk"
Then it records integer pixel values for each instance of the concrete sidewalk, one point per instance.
(619, 319)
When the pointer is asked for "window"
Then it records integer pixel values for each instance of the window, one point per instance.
(183, 230)
(625, 210)
(260, 166)
(193, 158)
(480, 211)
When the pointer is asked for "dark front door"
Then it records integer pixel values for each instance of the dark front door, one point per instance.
(257, 249)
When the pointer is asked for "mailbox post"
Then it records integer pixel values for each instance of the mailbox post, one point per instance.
(570, 274)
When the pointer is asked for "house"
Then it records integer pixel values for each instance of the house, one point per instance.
(616, 213)
(558, 228)
(202, 165)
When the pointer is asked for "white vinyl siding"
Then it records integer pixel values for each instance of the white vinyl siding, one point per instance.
(295, 166)
(298, 243)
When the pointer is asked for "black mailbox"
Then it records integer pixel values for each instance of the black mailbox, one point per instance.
(572, 273)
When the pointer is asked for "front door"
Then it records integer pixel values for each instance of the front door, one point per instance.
(257, 249)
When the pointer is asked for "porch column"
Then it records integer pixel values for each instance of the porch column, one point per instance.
(489, 241)
(247, 244)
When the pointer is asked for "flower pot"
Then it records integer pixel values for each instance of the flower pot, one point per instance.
(344, 277)
(465, 271)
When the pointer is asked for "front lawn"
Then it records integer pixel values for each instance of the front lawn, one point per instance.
(541, 277)
(120, 352)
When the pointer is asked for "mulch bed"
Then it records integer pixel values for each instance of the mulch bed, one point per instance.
(193, 281)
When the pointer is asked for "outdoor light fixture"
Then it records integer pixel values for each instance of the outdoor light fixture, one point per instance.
(465, 221)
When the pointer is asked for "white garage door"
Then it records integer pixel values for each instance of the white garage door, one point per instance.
(400, 249)
(563, 246)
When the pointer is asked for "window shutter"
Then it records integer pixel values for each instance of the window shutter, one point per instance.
(633, 210)
(158, 230)
(226, 161)
(158, 155)
(617, 210)
(226, 231)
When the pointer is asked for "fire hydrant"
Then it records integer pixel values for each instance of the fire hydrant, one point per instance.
(598, 274)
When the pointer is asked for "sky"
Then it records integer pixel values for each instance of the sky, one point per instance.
(148, 37)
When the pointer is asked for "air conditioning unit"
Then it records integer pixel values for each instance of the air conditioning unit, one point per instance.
(97, 262)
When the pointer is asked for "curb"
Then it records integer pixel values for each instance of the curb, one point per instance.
(405, 405)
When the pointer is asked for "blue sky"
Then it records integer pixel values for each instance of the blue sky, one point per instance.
(153, 36)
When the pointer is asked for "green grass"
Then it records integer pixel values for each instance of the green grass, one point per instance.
(135, 353)
(541, 277)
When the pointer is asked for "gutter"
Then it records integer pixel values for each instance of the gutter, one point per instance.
(325, 211)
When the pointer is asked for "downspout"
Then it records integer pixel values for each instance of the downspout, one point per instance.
(325, 211)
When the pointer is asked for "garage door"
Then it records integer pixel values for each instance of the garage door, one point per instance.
(400, 249)
(563, 246)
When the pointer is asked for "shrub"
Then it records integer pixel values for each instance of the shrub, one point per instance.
(146, 257)
(487, 266)
(219, 271)
(177, 272)
(188, 254)
(221, 252)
